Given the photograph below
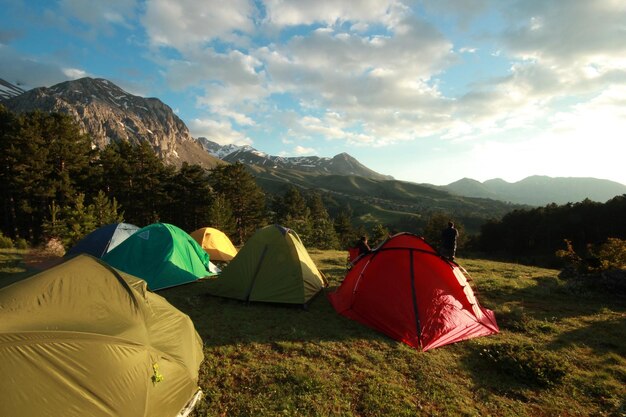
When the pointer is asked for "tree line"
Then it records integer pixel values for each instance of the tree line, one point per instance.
(535, 235)
(53, 183)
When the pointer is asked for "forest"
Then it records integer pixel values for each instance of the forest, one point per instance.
(54, 184)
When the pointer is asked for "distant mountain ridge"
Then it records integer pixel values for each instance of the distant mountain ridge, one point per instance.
(341, 164)
(539, 190)
(108, 113)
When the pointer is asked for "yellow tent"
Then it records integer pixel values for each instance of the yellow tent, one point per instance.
(82, 339)
(216, 243)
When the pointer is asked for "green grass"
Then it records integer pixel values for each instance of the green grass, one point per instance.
(12, 267)
(558, 353)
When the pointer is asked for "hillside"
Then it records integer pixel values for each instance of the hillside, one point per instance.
(558, 353)
(388, 202)
(108, 113)
(539, 190)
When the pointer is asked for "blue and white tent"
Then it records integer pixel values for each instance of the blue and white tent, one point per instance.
(103, 239)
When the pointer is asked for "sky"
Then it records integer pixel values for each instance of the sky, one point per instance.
(428, 91)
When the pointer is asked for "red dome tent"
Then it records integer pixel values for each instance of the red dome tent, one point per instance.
(406, 290)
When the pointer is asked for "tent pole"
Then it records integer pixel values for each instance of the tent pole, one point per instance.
(256, 272)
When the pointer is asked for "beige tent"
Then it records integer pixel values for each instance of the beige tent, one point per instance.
(82, 339)
(273, 266)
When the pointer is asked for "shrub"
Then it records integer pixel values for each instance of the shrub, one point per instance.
(21, 243)
(612, 254)
(606, 256)
(525, 363)
(603, 268)
(5, 242)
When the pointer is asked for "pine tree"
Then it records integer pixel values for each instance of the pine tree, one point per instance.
(138, 179)
(323, 235)
(9, 157)
(378, 235)
(69, 154)
(54, 227)
(292, 212)
(344, 229)
(190, 197)
(150, 176)
(221, 216)
(45, 158)
(245, 197)
(106, 211)
(79, 220)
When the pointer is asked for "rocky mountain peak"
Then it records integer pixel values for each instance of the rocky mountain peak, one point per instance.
(108, 113)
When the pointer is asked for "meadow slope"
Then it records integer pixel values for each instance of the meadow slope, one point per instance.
(559, 353)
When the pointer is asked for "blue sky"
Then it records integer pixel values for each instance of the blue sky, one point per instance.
(426, 91)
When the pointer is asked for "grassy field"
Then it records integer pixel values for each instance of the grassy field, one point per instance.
(559, 353)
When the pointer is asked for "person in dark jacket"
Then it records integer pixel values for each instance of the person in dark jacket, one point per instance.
(363, 246)
(449, 236)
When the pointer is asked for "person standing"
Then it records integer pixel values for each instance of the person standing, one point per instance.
(363, 246)
(449, 236)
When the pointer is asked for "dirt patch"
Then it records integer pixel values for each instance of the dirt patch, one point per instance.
(40, 259)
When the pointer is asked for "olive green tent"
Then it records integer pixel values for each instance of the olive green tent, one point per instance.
(81, 339)
(163, 255)
(273, 266)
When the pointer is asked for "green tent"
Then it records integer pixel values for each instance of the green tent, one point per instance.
(82, 339)
(163, 255)
(273, 266)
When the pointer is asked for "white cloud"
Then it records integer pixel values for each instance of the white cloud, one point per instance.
(567, 34)
(551, 64)
(301, 150)
(185, 24)
(74, 73)
(99, 13)
(330, 12)
(221, 132)
(205, 66)
(371, 69)
(579, 45)
(586, 140)
(371, 80)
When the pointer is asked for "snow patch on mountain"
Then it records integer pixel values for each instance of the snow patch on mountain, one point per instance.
(342, 164)
(8, 90)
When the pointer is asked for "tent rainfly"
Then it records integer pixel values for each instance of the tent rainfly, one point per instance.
(163, 255)
(82, 339)
(406, 290)
(273, 266)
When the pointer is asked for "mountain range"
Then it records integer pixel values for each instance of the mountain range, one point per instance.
(108, 113)
(535, 190)
(539, 190)
(341, 164)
